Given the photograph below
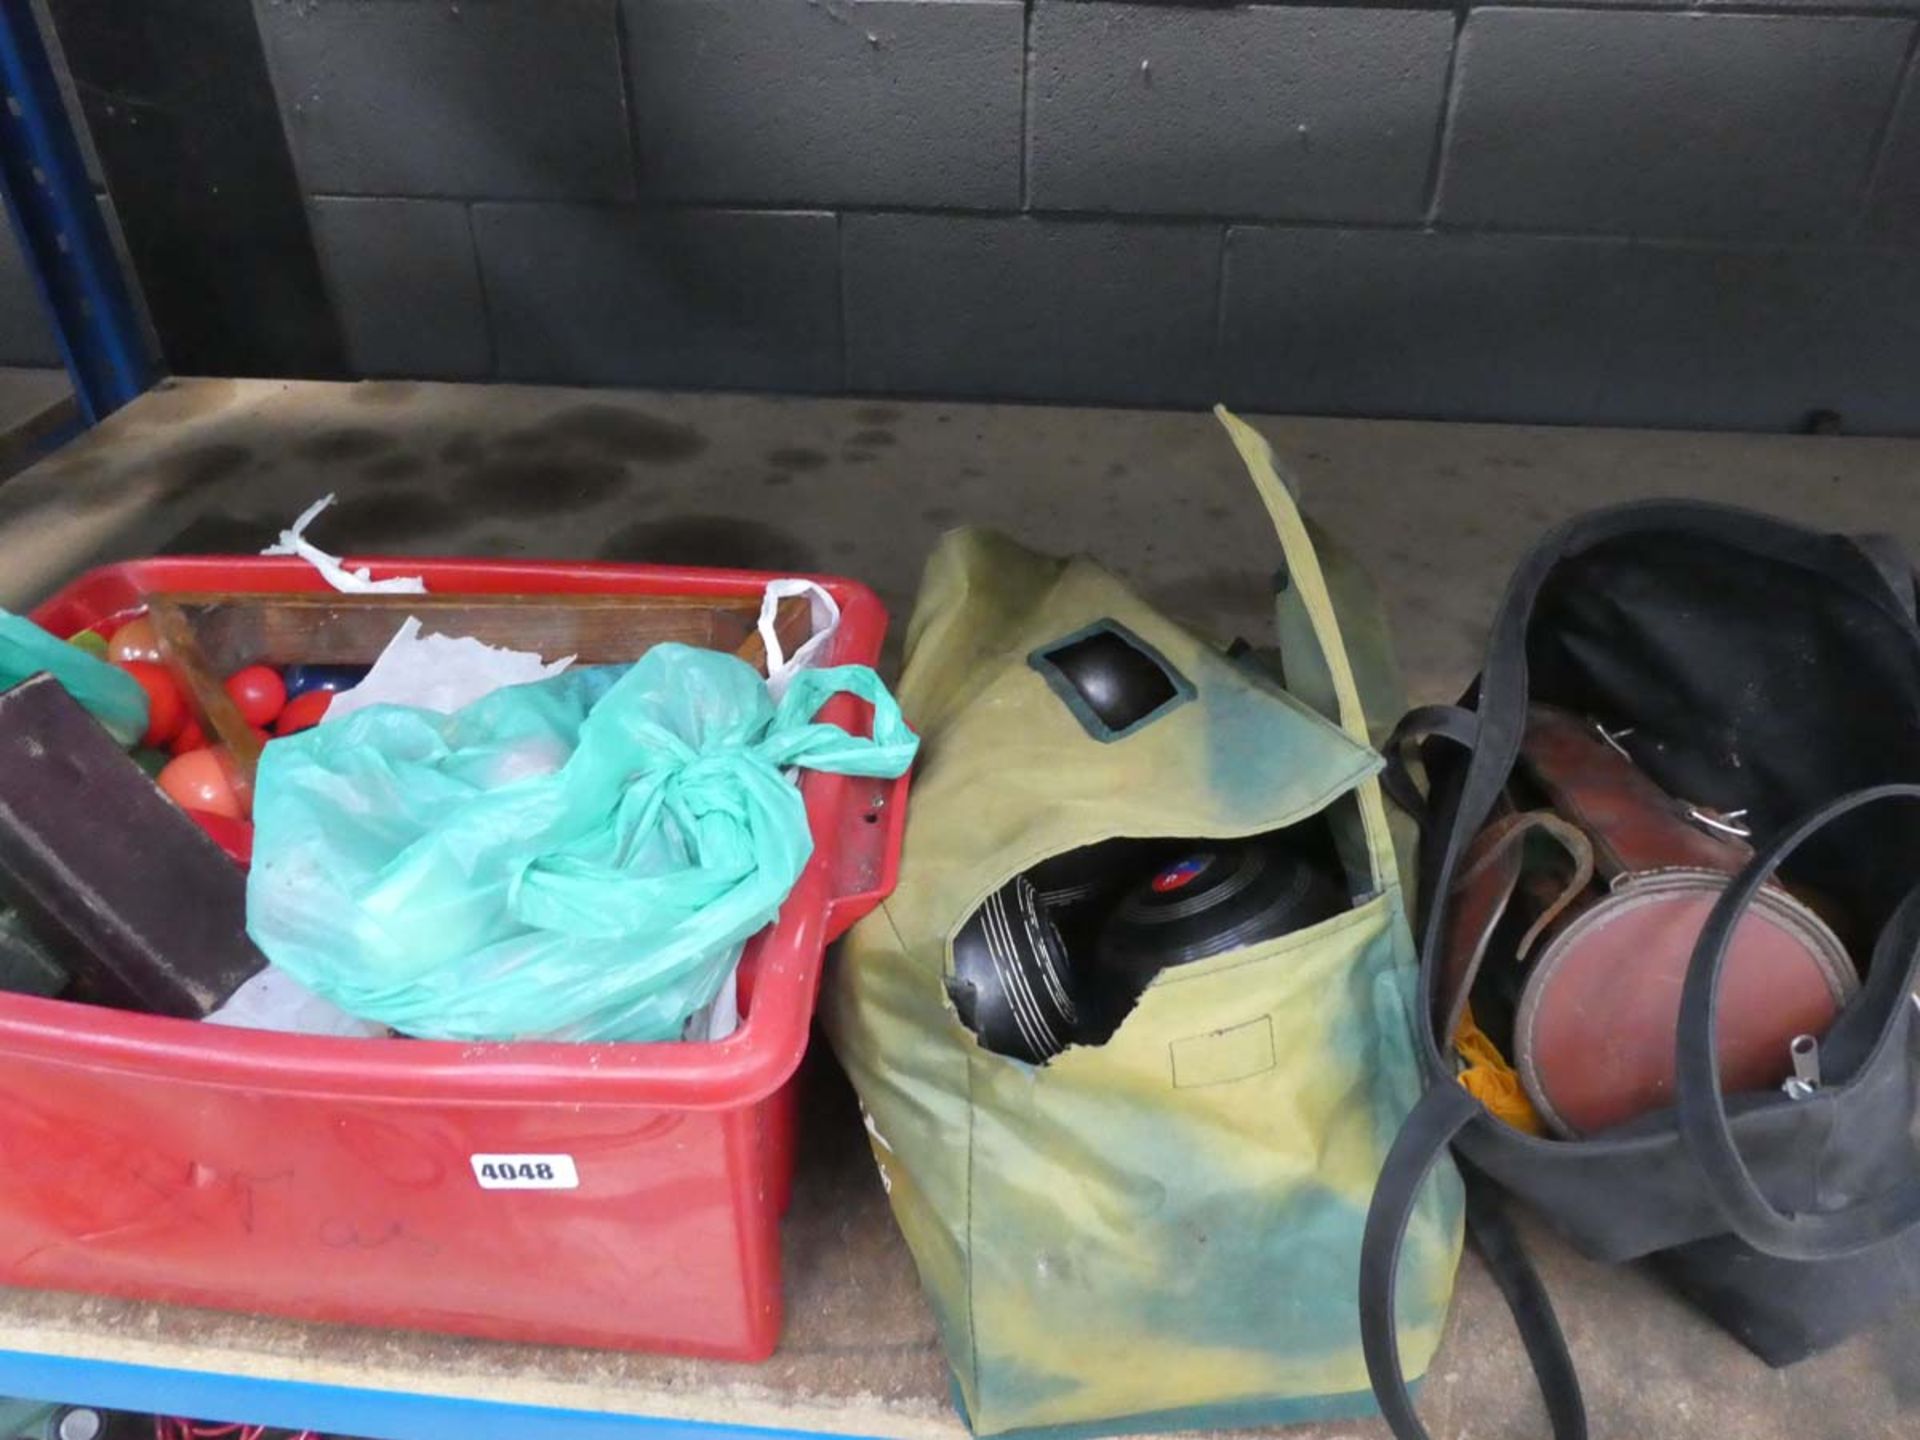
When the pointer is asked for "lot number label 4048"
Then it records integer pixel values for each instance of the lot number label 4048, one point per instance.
(525, 1172)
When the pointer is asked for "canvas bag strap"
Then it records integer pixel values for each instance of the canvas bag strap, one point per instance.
(1423, 1141)
(1331, 670)
(1701, 1107)
(1429, 1129)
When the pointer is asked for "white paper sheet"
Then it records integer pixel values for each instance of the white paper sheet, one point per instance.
(442, 673)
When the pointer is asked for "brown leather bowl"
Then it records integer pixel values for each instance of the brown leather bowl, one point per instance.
(1595, 1034)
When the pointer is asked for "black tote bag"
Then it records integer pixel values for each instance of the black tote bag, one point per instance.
(1762, 669)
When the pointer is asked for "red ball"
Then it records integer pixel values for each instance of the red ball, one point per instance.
(259, 692)
(198, 780)
(135, 640)
(303, 712)
(233, 836)
(191, 737)
(166, 702)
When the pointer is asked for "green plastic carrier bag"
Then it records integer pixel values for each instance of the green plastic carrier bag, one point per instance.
(108, 693)
(1164, 1229)
(581, 858)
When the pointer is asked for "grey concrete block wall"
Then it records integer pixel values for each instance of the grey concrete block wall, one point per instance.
(1895, 211)
(405, 284)
(862, 102)
(1411, 322)
(1483, 327)
(1603, 211)
(1235, 112)
(1031, 308)
(744, 299)
(1762, 336)
(1731, 126)
(512, 99)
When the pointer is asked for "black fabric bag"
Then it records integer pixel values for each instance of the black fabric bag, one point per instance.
(1763, 669)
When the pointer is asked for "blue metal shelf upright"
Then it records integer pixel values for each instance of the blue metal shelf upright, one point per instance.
(51, 204)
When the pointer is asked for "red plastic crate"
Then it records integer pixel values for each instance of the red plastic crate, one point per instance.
(332, 1179)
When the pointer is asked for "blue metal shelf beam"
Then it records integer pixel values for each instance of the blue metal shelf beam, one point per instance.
(44, 180)
(375, 1414)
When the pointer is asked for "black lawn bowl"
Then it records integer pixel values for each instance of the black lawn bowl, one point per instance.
(1216, 898)
(1011, 983)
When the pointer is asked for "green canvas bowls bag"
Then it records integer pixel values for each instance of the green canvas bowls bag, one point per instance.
(1164, 1229)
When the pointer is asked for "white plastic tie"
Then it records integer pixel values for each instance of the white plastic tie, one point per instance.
(332, 569)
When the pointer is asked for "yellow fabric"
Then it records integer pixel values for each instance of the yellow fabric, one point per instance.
(1307, 588)
(1491, 1080)
(1168, 1223)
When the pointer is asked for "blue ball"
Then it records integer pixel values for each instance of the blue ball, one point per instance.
(302, 678)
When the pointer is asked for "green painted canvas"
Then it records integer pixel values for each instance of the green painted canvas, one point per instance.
(1162, 1230)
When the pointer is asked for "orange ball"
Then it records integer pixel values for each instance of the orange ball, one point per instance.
(198, 780)
(135, 640)
(166, 704)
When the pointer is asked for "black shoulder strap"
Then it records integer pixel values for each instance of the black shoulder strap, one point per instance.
(1520, 1285)
(1416, 727)
(1422, 1142)
(1702, 1109)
